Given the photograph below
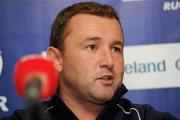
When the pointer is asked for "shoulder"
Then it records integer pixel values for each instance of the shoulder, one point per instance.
(21, 114)
(144, 111)
(148, 112)
(16, 115)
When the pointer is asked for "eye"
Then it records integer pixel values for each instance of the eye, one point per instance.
(116, 49)
(91, 47)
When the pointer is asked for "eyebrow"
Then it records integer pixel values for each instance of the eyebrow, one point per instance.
(89, 39)
(98, 39)
(92, 39)
(117, 42)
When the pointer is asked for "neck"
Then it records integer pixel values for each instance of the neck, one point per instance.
(80, 108)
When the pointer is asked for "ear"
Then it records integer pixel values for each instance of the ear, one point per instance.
(55, 55)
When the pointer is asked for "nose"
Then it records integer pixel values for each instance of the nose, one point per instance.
(106, 59)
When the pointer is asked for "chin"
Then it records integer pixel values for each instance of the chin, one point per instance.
(104, 99)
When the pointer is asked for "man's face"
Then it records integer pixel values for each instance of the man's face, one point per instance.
(92, 59)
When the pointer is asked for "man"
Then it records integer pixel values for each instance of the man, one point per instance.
(86, 46)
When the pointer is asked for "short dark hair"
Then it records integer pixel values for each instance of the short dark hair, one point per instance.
(60, 23)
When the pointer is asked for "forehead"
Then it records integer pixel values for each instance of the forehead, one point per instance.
(87, 24)
(84, 18)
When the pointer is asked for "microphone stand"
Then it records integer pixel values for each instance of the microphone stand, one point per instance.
(34, 110)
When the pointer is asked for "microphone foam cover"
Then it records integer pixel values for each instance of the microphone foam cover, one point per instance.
(36, 66)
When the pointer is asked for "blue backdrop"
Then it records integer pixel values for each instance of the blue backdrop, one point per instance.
(25, 29)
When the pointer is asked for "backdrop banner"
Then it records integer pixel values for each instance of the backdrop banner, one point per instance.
(152, 47)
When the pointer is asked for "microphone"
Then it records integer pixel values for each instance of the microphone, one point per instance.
(35, 78)
(35, 71)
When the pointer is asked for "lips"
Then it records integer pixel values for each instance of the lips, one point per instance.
(106, 80)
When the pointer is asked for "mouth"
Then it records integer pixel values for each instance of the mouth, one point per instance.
(106, 80)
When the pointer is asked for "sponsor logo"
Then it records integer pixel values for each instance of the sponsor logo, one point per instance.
(131, 0)
(177, 64)
(43, 53)
(1, 62)
(148, 67)
(171, 5)
(3, 101)
(152, 66)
